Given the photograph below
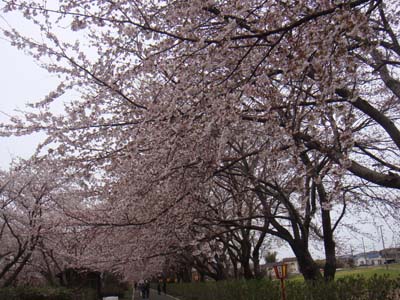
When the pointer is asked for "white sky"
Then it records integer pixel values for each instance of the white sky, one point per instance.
(22, 81)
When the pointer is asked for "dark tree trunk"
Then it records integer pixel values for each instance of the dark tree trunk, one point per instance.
(221, 275)
(329, 243)
(245, 258)
(220, 268)
(247, 273)
(330, 247)
(257, 269)
(185, 274)
(256, 255)
(307, 265)
(235, 268)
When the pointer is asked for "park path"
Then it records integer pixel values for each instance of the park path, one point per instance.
(154, 296)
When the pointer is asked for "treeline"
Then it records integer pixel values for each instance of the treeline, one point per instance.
(199, 131)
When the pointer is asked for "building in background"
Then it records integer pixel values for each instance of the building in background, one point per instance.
(292, 265)
(391, 255)
(371, 258)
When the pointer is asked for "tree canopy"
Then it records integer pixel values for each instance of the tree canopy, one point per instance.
(197, 128)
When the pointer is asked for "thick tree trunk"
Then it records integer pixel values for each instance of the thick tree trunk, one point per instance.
(185, 274)
(257, 269)
(245, 259)
(307, 265)
(220, 268)
(247, 273)
(330, 247)
(329, 243)
(221, 275)
(235, 268)
(256, 255)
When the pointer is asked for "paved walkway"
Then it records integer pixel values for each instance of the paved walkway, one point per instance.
(154, 296)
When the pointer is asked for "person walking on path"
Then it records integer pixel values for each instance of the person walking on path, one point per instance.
(154, 295)
(141, 288)
(146, 290)
(159, 287)
(164, 287)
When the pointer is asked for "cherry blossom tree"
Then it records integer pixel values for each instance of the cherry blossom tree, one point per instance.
(26, 219)
(162, 90)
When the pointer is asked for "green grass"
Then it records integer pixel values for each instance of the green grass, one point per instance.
(392, 270)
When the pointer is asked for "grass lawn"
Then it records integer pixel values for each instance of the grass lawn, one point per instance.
(392, 270)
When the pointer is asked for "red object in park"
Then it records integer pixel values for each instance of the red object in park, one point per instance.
(280, 271)
(281, 274)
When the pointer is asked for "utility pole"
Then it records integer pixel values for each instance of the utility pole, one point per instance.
(365, 255)
(383, 240)
(352, 257)
(383, 245)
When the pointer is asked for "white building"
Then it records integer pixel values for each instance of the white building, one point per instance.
(372, 258)
(292, 265)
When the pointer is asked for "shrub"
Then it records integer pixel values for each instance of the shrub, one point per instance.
(348, 288)
(46, 293)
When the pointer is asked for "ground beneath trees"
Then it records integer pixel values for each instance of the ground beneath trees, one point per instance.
(153, 296)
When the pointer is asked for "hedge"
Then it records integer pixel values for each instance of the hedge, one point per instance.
(46, 293)
(349, 288)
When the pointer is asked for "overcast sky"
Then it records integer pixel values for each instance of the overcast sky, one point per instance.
(21, 81)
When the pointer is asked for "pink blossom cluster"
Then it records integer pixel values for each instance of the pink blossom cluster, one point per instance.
(196, 132)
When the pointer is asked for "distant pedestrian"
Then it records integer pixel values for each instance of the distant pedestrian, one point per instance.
(146, 291)
(164, 287)
(159, 287)
(141, 288)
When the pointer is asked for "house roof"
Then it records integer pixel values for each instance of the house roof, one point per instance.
(368, 255)
(289, 259)
(268, 265)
